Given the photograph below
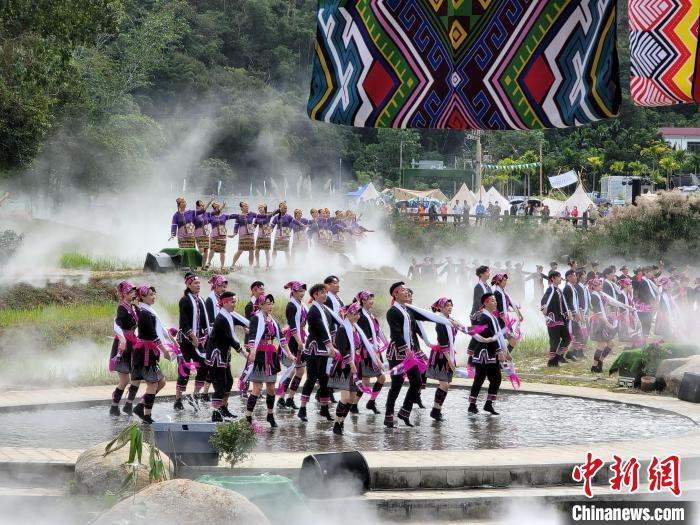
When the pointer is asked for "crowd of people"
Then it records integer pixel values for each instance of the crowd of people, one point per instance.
(333, 346)
(269, 232)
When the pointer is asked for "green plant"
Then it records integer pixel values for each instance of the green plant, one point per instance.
(133, 436)
(234, 440)
(81, 261)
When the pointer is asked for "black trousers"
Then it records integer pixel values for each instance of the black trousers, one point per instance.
(414, 383)
(222, 381)
(559, 338)
(490, 371)
(646, 318)
(316, 371)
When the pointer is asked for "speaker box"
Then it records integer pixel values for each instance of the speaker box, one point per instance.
(162, 263)
(690, 388)
(345, 473)
(186, 443)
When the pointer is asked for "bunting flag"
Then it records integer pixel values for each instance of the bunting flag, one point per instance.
(529, 165)
(664, 58)
(477, 64)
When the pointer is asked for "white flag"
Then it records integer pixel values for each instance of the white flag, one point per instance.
(565, 179)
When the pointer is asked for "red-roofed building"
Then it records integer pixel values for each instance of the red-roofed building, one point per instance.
(682, 138)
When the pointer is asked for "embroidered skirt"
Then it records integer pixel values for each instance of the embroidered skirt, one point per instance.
(246, 243)
(263, 243)
(218, 244)
(282, 244)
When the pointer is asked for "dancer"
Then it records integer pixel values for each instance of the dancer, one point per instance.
(263, 242)
(350, 341)
(482, 287)
(571, 298)
(202, 230)
(122, 347)
(265, 358)
(648, 294)
(583, 295)
(505, 305)
(219, 343)
(218, 287)
(296, 314)
(443, 359)
(257, 294)
(283, 224)
(300, 245)
(219, 234)
(603, 326)
(371, 364)
(630, 327)
(183, 225)
(317, 350)
(334, 304)
(404, 353)
(245, 229)
(146, 356)
(557, 315)
(194, 327)
(490, 351)
(668, 317)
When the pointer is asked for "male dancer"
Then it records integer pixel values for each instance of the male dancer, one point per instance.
(648, 293)
(557, 315)
(334, 303)
(571, 298)
(257, 291)
(480, 288)
(584, 301)
(221, 339)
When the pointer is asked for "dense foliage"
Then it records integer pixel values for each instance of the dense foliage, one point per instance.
(93, 93)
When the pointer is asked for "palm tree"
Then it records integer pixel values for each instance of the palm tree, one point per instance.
(595, 163)
(670, 165)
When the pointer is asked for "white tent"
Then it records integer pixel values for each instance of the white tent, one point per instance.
(463, 195)
(482, 196)
(493, 196)
(554, 206)
(366, 193)
(579, 199)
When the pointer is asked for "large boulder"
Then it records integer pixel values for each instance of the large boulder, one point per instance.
(97, 474)
(663, 371)
(184, 501)
(673, 380)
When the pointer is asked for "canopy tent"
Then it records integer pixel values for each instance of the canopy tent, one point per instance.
(402, 194)
(366, 193)
(482, 196)
(463, 195)
(554, 206)
(580, 199)
(494, 197)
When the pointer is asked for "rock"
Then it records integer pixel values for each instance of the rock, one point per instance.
(666, 367)
(184, 501)
(673, 380)
(95, 474)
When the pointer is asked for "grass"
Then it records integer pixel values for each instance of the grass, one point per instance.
(81, 261)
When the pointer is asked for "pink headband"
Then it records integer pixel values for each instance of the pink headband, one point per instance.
(595, 282)
(227, 299)
(352, 309)
(625, 282)
(440, 303)
(192, 279)
(294, 286)
(499, 277)
(364, 295)
(664, 281)
(216, 280)
(143, 290)
(125, 287)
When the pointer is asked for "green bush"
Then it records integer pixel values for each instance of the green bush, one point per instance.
(234, 440)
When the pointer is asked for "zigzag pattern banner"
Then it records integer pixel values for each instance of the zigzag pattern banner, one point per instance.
(469, 64)
(665, 63)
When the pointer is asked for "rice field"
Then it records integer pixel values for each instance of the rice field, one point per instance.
(81, 261)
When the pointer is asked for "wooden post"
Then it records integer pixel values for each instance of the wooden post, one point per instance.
(541, 170)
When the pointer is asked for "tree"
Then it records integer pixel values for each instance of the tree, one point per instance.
(595, 163)
(669, 164)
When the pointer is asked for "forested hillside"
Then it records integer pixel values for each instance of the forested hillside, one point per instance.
(93, 92)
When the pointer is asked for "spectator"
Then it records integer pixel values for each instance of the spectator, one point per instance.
(513, 209)
(480, 211)
(465, 213)
(574, 215)
(457, 210)
(444, 210)
(433, 212)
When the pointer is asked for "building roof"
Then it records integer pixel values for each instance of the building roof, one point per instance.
(680, 132)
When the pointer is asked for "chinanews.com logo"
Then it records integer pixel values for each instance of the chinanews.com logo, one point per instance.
(661, 476)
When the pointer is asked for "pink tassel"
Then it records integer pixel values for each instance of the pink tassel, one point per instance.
(476, 329)
(113, 363)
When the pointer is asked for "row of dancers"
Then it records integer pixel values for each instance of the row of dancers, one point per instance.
(339, 347)
(262, 231)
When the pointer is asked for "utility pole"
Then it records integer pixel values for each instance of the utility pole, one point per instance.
(479, 160)
(340, 173)
(541, 169)
(401, 163)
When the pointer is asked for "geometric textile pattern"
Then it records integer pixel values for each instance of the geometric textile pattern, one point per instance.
(477, 64)
(664, 58)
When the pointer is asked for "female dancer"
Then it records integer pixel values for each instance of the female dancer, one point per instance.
(264, 239)
(350, 342)
(245, 229)
(301, 236)
(371, 363)
(202, 230)
(668, 316)
(443, 361)
(630, 328)
(217, 221)
(296, 314)
(283, 224)
(152, 336)
(505, 304)
(602, 329)
(124, 340)
(265, 358)
(218, 286)
(183, 225)
(222, 338)
(194, 327)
